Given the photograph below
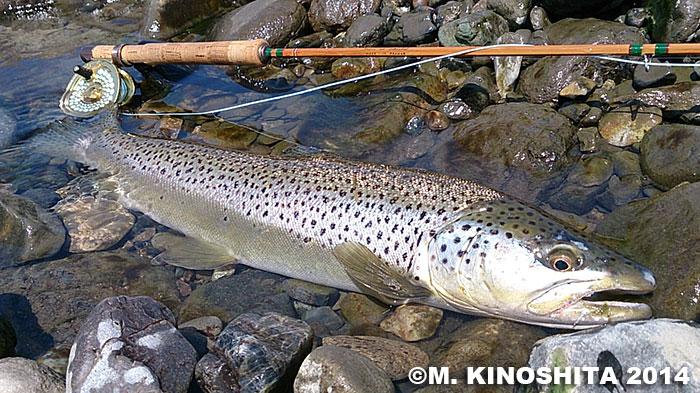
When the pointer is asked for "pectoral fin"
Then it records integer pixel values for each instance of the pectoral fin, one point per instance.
(190, 253)
(374, 276)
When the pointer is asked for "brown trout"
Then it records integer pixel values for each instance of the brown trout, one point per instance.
(400, 235)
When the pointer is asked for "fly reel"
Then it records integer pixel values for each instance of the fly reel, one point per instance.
(96, 85)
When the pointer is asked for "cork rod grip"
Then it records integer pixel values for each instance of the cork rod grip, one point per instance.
(221, 52)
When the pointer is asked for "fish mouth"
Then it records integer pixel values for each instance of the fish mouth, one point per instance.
(584, 304)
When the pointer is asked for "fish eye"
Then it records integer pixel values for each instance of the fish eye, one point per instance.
(562, 260)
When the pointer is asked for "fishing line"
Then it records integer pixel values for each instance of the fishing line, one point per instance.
(326, 86)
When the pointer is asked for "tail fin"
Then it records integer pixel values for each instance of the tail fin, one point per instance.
(69, 138)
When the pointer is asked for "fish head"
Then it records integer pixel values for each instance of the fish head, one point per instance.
(508, 260)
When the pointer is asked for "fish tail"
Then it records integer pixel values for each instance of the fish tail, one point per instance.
(68, 138)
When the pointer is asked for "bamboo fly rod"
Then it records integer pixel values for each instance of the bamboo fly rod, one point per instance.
(257, 52)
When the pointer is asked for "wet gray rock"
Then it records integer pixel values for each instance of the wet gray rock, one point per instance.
(350, 67)
(478, 28)
(670, 154)
(544, 80)
(367, 30)
(626, 163)
(330, 368)
(523, 135)
(658, 343)
(587, 180)
(538, 18)
(310, 293)
(674, 21)
(507, 68)
(486, 342)
(580, 87)
(413, 322)
(276, 21)
(165, 19)
(678, 100)
(235, 294)
(628, 124)
(210, 327)
(255, 353)
(575, 111)
(589, 140)
(333, 15)
(450, 11)
(29, 232)
(94, 224)
(655, 77)
(636, 17)
(436, 120)
(8, 338)
(20, 375)
(396, 358)
(412, 28)
(323, 316)
(514, 11)
(479, 89)
(657, 233)
(129, 343)
(48, 302)
(457, 109)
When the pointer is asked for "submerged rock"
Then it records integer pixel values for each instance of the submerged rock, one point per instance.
(523, 135)
(394, 357)
(656, 76)
(334, 15)
(130, 344)
(678, 100)
(94, 224)
(254, 353)
(657, 233)
(310, 293)
(235, 294)
(336, 369)
(357, 308)
(657, 344)
(28, 232)
(486, 343)
(413, 322)
(165, 18)
(20, 375)
(628, 124)
(48, 302)
(670, 154)
(587, 180)
(276, 21)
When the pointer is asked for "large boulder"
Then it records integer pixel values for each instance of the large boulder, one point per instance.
(670, 154)
(166, 18)
(544, 80)
(130, 344)
(674, 21)
(660, 233)
(657, 345)
(276, 21)
(20, 375)
(334, 15)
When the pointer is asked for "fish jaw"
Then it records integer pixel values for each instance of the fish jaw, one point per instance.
(568, 302)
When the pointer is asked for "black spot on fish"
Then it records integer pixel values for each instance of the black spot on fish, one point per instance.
(443, 248)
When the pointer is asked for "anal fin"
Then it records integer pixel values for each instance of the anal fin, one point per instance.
(374, 276)
(190, 253)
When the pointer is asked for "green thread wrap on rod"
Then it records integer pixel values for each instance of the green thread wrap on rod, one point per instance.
(267, 53)
(636, 49)
(661, 49)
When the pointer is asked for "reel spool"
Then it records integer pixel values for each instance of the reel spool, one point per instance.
(96, 86)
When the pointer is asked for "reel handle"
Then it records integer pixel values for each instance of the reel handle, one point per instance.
(220, 52)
